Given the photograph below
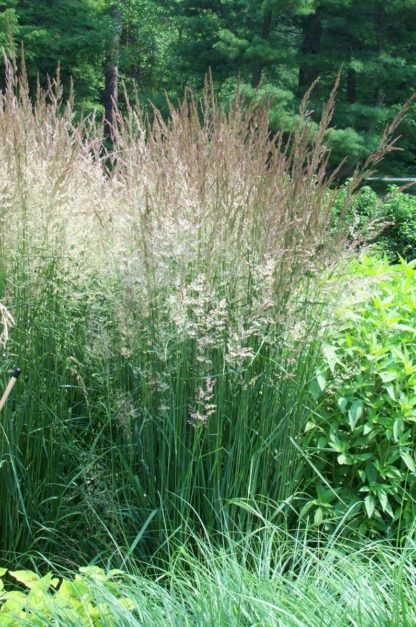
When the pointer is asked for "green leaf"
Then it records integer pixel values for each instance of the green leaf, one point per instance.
(391, 392)
(408, 460)
(397, 429)
(388, 376)
(382, 497)
(319, 517)
(354, 414)
(331, 356)
(318, 385)
(342, 404)
(370, 505)
(344, 460)
(26, 577)
(371, 472)
(3, 571)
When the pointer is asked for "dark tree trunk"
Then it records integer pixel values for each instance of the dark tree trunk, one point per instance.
(310, 47)
(265, 34)
(110, 93)
(110, 98)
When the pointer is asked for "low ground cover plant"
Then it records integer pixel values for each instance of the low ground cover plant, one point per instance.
(49, 600)
(361, 430)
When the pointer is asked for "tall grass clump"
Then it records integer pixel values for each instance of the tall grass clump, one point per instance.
(166, 296)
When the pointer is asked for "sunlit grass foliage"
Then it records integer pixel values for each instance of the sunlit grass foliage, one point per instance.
(269, 578)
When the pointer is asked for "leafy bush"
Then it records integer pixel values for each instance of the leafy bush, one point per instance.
(399, 238)
(387, 224)
(361, 212)
(361, 434)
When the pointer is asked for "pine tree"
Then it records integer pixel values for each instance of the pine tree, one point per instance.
(375, 43)
(70, 33)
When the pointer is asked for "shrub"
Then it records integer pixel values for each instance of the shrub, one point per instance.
(361, 214)
(399, 238)
(387, 225)
(362, 429)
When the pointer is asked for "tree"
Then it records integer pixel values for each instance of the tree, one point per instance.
(272, 48)
(111, 68)
(375, 43)
(65, 32)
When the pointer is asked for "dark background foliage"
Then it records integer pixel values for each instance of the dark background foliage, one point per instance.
(274, 48)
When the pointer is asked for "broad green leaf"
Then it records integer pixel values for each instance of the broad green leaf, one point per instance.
(340, 446)
(408, 460)
(331, 356)
(27, 577)
(369, 505)
(318, 385)
(305, 509)
(368, 427)
(387, 376)
(371, 472)
(3, 571)
(382, 497)
(342, 404)
(363, 457)
(354, 413)
(344, 460)
(397, 429)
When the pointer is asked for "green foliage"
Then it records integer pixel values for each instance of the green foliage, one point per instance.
(399, 236)
(387, 223)
(270, 577)
(53, 601)
(361, 432)
(361, 216)
(73, 37)
(281, 46)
